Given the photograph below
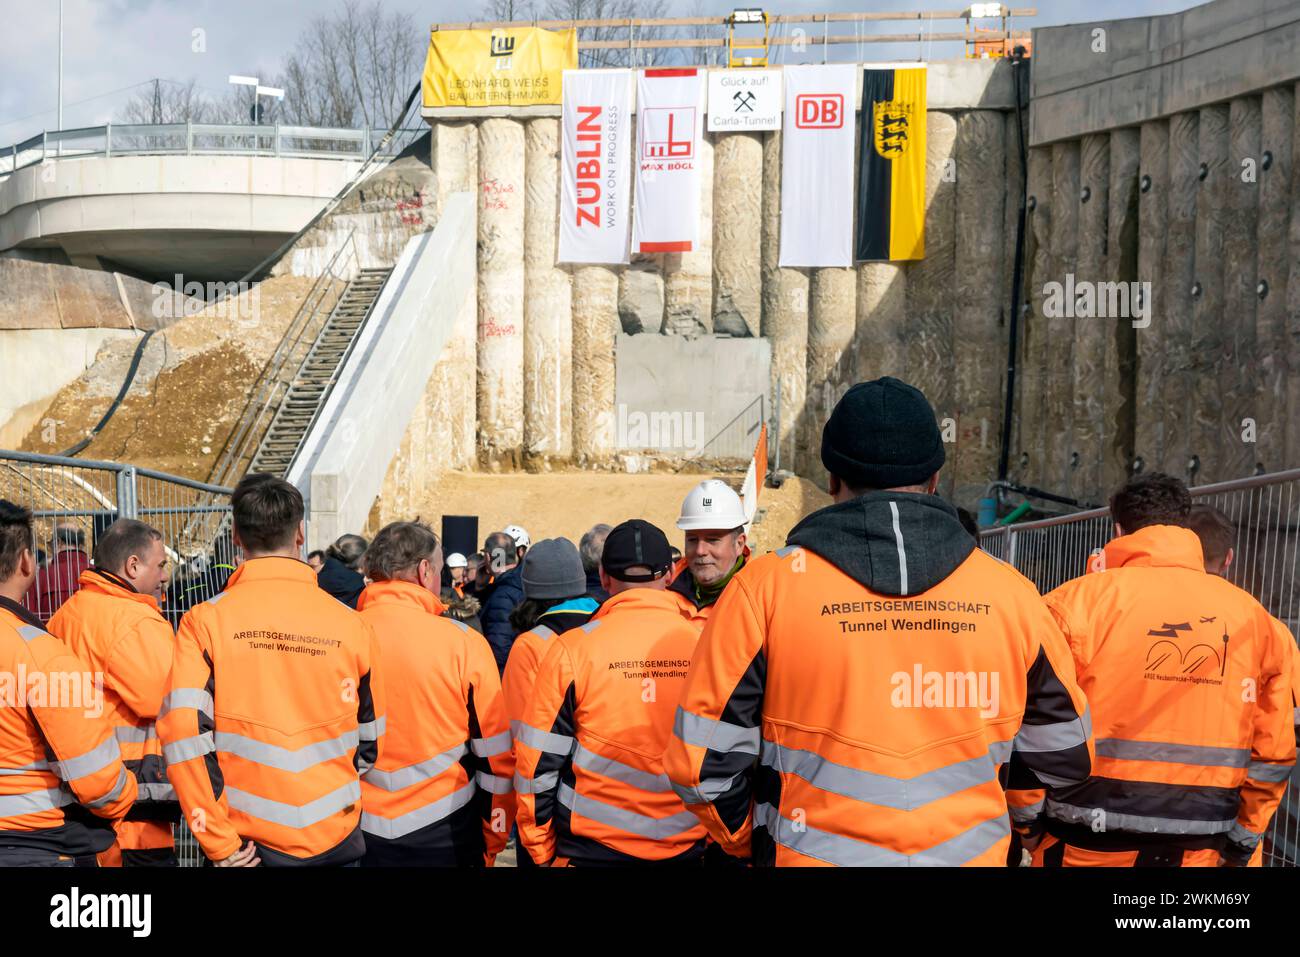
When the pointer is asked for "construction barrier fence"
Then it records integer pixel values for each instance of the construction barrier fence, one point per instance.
(1262, 509)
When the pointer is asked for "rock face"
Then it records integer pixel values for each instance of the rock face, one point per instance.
(641, 301)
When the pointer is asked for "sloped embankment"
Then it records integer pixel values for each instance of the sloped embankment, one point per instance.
(193, 382)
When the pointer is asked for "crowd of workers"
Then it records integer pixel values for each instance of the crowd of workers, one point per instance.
(877, 692)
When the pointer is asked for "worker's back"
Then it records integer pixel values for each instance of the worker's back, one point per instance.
(288, 679)
(1189, 683)
(883, 670)
(441, 793)
(590, 750)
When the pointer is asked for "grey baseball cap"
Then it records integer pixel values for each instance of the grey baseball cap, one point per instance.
(553, 569)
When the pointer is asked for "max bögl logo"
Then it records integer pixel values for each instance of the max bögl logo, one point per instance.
(819, 111)
(668, 133)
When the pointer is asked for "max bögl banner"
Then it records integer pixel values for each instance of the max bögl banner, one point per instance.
(670, 124)
(817, 165)
(891, 171)
(595, 189)
(505, 67)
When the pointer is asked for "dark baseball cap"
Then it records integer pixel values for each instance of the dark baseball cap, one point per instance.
(636, 542)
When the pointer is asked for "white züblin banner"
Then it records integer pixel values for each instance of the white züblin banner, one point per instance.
(817, 165)
(595, 190)
(670, 125)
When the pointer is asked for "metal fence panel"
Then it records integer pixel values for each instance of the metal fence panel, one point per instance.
(1263, 510)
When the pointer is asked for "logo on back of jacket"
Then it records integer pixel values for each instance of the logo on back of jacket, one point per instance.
(1191, 652)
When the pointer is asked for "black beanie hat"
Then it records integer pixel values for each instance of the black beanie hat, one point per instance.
(882, 434)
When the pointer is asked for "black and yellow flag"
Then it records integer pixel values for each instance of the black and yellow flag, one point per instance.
(891, 172)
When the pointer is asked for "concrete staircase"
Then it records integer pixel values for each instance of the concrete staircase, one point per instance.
(319, 371)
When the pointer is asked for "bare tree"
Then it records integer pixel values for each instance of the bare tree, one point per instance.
(702, 55)
(353, 68)
(492, 11)
(166, 101)
(614, 10)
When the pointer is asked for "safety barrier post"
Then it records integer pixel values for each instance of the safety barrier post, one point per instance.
(126, 497)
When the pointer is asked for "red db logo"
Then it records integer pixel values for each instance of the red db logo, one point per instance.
(819, 111)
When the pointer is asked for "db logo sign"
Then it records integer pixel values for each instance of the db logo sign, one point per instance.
(819, 111)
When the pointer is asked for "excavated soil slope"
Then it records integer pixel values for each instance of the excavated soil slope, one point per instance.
(189, 391)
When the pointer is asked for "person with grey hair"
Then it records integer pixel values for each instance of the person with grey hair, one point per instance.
(590, 547)
(340, 576)
(440, 795)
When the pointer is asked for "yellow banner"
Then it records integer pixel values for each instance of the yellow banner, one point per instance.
(515, 67)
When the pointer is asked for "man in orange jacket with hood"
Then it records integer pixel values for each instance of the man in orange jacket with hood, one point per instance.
(441, 794)
(863, 695)
(1191, 696)
(113, 623)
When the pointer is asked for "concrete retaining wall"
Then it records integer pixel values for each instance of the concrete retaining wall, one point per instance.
(1166, 159)
(549, 354)
(365, 426)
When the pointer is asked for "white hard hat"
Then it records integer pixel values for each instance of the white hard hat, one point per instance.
(456, 560)
(519, 536)
(712, 504)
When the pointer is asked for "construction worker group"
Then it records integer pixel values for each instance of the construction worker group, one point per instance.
(879, 691)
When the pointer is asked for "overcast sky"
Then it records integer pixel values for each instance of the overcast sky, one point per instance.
(112, 47)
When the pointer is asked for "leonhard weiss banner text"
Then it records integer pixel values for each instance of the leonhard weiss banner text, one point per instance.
(596, 190)
(514, 67)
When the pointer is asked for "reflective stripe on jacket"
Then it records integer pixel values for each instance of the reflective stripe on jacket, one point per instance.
(1190, 686)
(857, 694)
(590, 776)
(446, 773)
(57, 750)
(122, 635)
(274, 709)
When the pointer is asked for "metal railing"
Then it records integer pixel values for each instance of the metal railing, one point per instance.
(198, 139)
(280, 369)
(1264, 510)
(733, 444)
(74, 500)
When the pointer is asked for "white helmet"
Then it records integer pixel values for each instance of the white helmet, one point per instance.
(712, 504)
(456, 560)
(518, 535)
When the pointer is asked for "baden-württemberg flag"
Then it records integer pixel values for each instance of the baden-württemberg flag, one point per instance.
(891, 177)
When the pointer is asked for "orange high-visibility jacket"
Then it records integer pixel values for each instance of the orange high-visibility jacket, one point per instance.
(857, 693)
(1191, 694)
(444, 780)
(62, 780)
(530, 647)
(590, 775)
(122, 635)
(274, 709)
